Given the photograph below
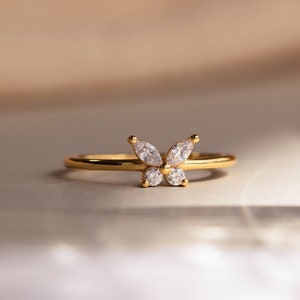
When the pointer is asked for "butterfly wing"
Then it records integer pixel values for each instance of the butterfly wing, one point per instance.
(147, 153)
(179, 152)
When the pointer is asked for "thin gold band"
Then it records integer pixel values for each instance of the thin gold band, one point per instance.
(129, 162)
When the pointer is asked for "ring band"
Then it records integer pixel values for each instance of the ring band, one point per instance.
(154, 165)
(129, 162)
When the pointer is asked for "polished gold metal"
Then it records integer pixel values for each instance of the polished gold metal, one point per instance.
(195, 138)
(130, 162)
(185, 182)
(165, 169)
(145, 183)
(132, 139)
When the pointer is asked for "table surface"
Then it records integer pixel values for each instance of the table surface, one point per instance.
(97, 235)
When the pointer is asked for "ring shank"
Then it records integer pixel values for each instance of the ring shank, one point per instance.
(129, 162)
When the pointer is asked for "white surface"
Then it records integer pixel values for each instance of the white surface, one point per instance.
(97, 235)
(206, 272)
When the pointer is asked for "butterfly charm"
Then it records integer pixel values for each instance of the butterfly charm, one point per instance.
(168, 166)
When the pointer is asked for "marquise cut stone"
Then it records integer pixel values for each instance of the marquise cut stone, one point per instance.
(153, 176)
(176, 176)
(179, 152)
(147, 153)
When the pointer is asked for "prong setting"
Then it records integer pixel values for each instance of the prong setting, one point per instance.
(185, 182)
(145, 183)
(165, 169)
(195, 138)
(169, 166)
(132, 139)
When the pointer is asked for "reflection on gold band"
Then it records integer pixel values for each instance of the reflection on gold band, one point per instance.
(129, 162)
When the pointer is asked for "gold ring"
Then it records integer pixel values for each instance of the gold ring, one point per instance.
(154, 165)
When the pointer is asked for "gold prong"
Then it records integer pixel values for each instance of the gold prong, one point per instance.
(145, 183)
(185, 182)
(165, 169)
(195, 138)
(132, 139)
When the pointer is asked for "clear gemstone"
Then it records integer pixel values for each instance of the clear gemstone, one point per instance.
(176, 176)
(147, 153)
(153, 176)
(179, 152)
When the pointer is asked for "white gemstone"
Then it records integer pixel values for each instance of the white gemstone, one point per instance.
(153, 176)
(147, 153)
(179, 152)
(176, 176)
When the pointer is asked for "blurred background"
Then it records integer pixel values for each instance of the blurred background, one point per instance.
(70, 50)
(79, 77)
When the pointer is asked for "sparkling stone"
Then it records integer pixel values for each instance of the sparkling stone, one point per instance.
(179, 152)
(176, 176)
(148, 154)
(153, 176)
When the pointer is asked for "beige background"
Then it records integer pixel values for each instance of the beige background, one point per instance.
(74, 50)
